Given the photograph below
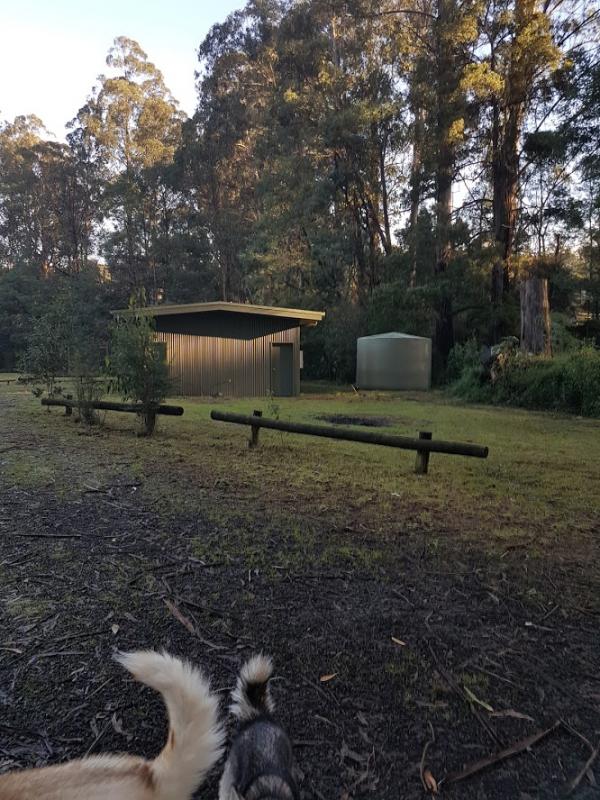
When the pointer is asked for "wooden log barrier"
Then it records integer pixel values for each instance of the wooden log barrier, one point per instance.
(422, 460)
(105, 405)
(253, 441)
(424, 445)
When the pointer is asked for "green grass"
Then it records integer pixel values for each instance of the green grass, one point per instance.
(538, 486)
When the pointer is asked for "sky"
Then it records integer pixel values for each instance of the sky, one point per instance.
(52, 51)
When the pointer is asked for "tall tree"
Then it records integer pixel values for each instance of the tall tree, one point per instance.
(133, 122)
(522, 52)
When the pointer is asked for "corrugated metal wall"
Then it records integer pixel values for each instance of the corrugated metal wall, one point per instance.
(227, 354)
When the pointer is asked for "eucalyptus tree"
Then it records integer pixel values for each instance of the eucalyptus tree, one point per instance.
(133, 123)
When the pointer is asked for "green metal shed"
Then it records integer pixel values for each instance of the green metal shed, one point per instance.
(232, 349)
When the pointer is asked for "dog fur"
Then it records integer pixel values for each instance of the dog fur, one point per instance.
(260, 763)
(194, 745)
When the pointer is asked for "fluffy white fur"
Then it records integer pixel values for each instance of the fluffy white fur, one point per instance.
(257, 670)
(194, 745)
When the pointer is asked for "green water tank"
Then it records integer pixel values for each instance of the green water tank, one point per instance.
(393, 361)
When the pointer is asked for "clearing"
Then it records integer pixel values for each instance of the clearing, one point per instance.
(461, 606)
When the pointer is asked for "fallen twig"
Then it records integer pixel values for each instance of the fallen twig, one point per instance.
(189, 625)
(513, 750)
(56, 653)
(97, 739)
(455, 687)
(572, 785)
(49, 535)
(180, 617)
(424, 754)
(570, 729)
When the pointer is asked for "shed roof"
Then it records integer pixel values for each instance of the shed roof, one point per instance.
(394, 335)
(303, 317)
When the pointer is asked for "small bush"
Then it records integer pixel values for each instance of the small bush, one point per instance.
(137, 363)
(465, 356)
(569, 382)
(46, 354)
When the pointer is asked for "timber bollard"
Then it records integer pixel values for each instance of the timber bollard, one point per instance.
(254, 431)
(422, 460)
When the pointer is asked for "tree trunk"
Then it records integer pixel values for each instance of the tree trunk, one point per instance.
(443, 253)
(415, 191)
(384, 197)
(505, 178)
(445, 84)
(507, 124)
(535, 316)
(149, 423)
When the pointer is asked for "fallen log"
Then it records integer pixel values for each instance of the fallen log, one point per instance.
(106, 405)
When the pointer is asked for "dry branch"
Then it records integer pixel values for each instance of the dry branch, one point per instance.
(514, 749)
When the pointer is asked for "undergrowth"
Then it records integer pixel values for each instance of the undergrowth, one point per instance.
(569, 382)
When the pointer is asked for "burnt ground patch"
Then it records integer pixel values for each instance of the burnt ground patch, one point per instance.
(366, 422)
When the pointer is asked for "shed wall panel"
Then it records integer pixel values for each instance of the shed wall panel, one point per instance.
(235, 361)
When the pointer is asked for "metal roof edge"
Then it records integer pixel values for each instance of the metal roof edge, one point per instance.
(303, 316)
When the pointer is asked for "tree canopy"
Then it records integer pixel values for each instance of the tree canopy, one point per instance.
(430, 166)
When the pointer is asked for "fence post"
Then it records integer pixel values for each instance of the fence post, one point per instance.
(253, 441)
(422, 460)
(69, 409)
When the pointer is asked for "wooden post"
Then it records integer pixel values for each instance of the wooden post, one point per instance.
(253, 441)
(69, 409)
(422, 460)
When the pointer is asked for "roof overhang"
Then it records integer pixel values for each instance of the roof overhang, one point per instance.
(304, 318)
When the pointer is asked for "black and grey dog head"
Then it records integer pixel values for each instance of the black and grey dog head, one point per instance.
(260, 764)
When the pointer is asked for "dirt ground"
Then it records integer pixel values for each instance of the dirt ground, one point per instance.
(419, 655)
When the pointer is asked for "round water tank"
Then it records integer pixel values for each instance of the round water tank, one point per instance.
(393, 361)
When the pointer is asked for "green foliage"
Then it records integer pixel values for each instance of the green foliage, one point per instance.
(396, 307)
(464, 358)
(60, 333)
(46, 354)
(89, 387)
(569, 382)
(137, 362)
(330, 348)
(319, 127)
(563, 340)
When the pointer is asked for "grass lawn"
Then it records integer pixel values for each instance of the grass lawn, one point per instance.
(319, 551)
(538, 486)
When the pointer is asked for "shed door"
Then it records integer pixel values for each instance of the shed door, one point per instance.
(282, 370)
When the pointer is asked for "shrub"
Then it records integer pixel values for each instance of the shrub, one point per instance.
(46, 353)
(569, 382)
(88, 390)
(465, 356)
(137, 363)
